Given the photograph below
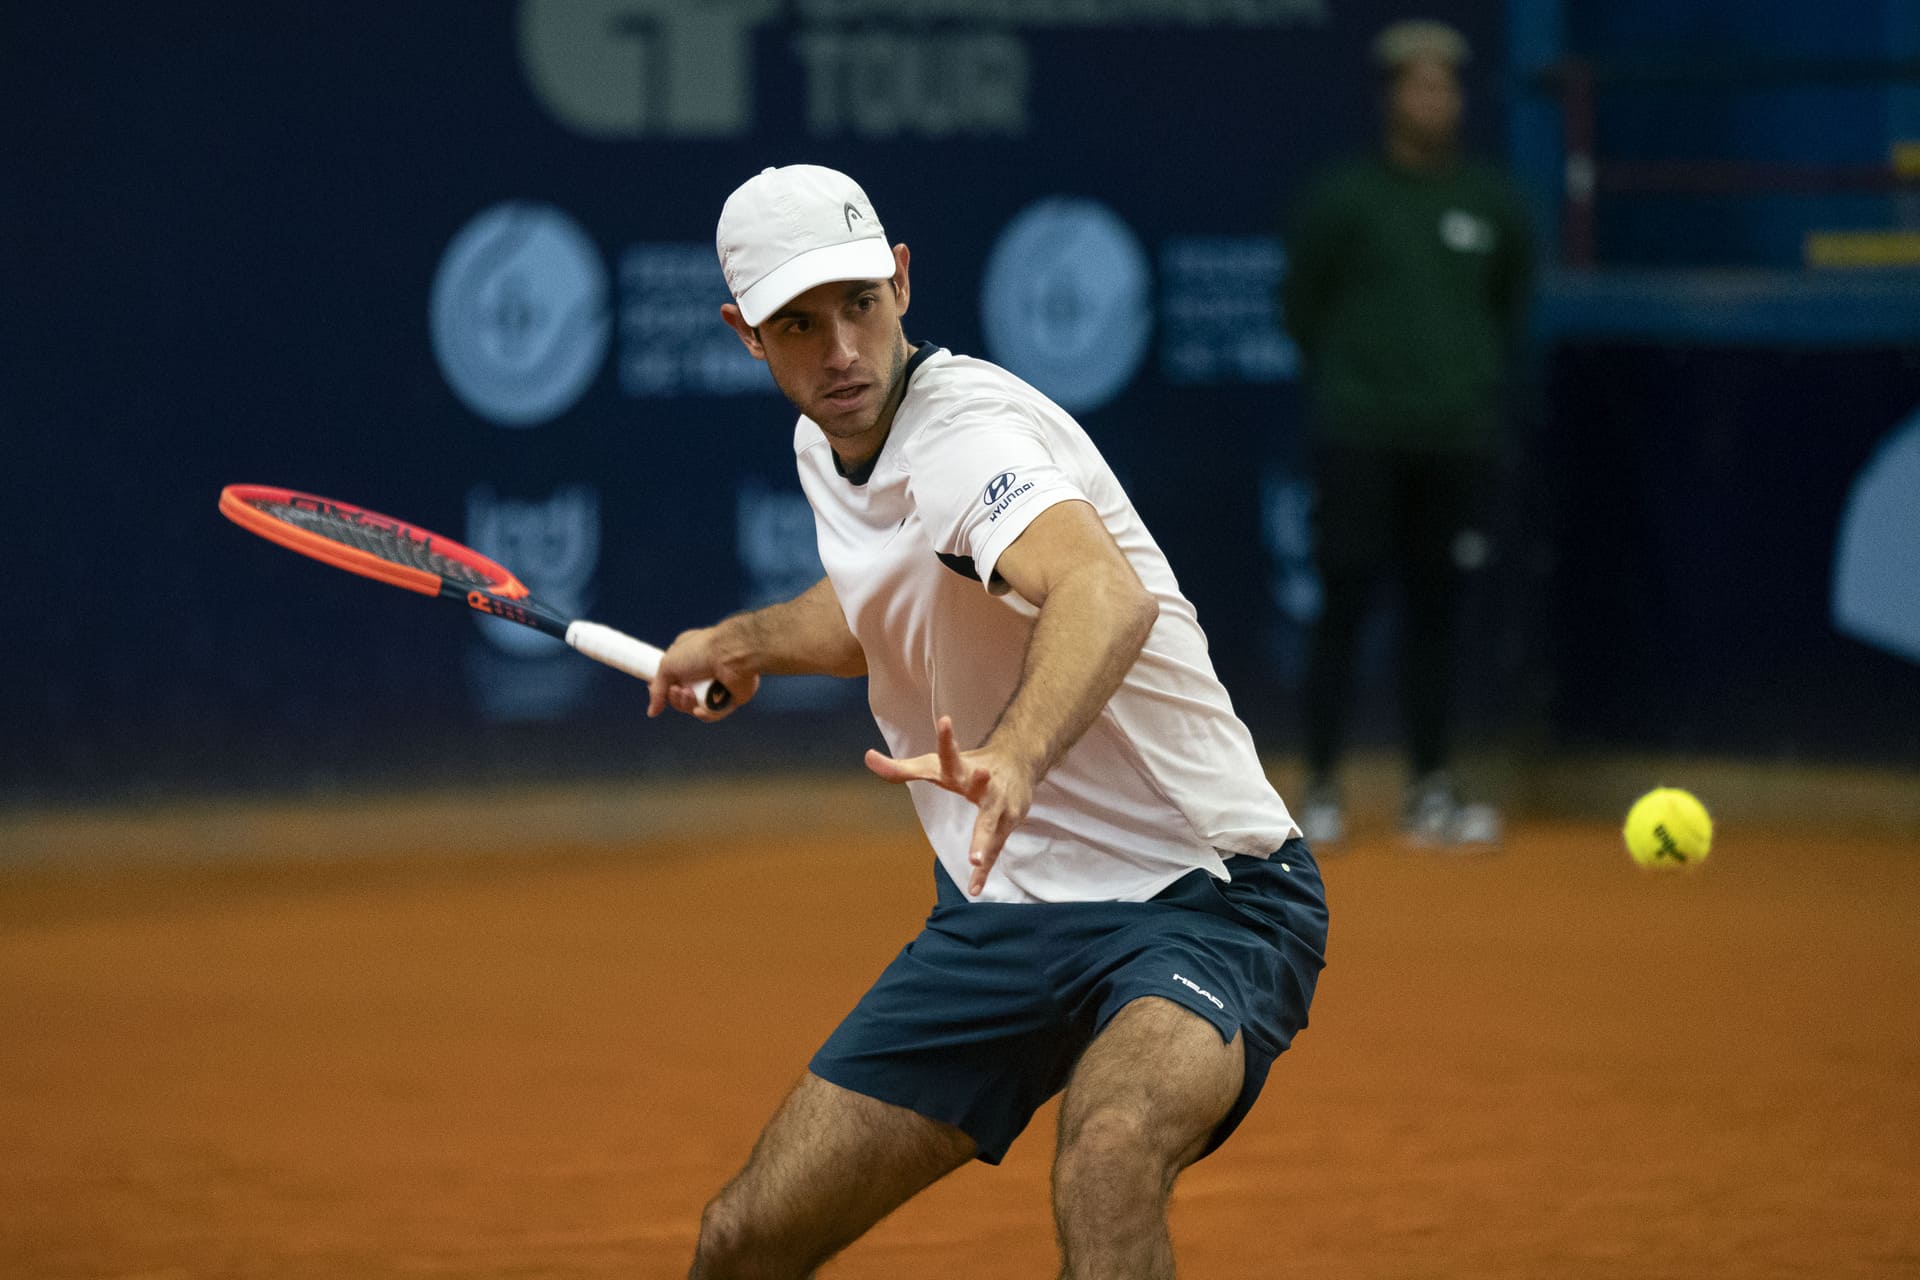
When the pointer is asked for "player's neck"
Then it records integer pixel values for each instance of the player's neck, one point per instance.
(857, 453)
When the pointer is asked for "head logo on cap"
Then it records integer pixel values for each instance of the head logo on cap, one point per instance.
(788, 230)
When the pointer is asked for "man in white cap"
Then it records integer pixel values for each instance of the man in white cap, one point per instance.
(1123, 906)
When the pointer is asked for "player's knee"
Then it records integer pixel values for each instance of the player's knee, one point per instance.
(1107, 1143)
(732, 1248)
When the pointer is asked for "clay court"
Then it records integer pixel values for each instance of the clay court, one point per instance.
(334, 1041)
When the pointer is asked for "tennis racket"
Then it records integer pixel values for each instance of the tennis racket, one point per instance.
(403, 555)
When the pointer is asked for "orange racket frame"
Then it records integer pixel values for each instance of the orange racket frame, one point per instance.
(237, 503)
(489, 588)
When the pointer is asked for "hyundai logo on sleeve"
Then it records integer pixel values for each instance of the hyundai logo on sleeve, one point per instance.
(1001, 493)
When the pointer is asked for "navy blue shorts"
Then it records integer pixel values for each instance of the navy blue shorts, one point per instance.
(982, 1017)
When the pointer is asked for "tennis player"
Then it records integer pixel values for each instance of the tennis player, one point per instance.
(1124, 906)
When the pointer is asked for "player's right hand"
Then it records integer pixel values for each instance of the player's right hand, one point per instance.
(1000, 787)
(694, 656)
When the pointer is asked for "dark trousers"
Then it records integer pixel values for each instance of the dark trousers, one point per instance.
(1381, 513)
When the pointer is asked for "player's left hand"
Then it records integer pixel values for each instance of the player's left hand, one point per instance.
(999, 786)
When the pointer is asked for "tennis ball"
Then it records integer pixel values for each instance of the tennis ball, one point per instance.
(1669, 829)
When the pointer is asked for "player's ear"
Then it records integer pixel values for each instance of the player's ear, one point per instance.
(901, 289)
(746, 332)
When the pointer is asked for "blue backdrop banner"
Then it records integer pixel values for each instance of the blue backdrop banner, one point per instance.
(454, 261)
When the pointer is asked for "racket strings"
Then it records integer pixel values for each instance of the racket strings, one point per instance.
(395, 548)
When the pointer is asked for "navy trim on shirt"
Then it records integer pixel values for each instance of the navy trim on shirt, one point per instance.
(967, 568)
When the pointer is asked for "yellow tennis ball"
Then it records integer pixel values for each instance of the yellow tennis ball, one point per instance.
(1669, 829)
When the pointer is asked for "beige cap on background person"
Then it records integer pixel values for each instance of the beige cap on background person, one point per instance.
(1414, 38)
(786, 230)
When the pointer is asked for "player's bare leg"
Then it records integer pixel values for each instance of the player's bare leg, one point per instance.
(1143, 1101)
(829, 1165)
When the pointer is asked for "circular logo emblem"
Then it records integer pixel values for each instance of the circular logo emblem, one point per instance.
(519, 314)
(997, 488)
(1065, 303)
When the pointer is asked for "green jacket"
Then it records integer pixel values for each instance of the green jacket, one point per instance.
(1406, 294)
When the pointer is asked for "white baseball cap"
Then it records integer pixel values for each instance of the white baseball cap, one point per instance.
(785, 230)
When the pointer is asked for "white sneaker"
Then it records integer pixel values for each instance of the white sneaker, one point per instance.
(1322, 819)
(1436, 818)
(1477, 824)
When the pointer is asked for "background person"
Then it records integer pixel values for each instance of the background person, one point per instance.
(1408, 276)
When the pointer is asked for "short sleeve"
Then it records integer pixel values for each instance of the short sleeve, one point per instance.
(979, 479)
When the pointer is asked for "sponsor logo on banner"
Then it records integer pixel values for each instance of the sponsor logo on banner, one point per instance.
(1066, 301)
(553, 545)
(519, 314)
(1219, 323)
(1876, 590)
(672, 342)
(639, 68)
(866, 68)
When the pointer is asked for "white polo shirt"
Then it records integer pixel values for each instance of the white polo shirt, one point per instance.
(1165, 780)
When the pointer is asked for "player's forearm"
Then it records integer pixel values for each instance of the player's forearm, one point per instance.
(1089, 633)
(806, 635)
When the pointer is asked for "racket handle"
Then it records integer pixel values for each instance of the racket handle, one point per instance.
(635, 657)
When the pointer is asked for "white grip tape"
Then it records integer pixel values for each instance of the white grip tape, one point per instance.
(621, 652)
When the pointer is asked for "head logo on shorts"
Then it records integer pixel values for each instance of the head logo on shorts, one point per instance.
(997, 488)
(1200, 991)
(519, 314)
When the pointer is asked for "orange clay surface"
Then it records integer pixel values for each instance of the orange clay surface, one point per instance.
(1541, 1063)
